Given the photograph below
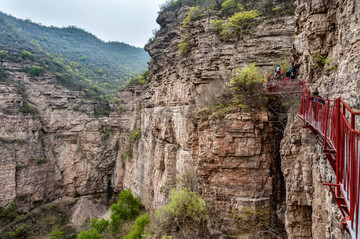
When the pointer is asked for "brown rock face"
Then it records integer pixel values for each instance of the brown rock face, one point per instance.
(235, 160)
(171, 144)
(236, 164)
(56, 149)
(327, 52)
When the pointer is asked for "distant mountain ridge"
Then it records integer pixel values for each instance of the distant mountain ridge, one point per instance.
(77, 57)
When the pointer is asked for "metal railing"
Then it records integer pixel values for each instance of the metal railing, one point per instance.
(335, 121)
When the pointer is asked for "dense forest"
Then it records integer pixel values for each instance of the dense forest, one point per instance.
(78, 58)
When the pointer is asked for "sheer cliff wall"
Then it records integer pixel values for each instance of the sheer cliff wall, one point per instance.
(327, 52)
(234, 159)
(63, 150)
(51, 143)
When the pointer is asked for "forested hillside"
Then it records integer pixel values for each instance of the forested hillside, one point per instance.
(79, 59)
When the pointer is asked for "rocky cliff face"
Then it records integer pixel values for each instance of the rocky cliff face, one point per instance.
(60, 150)
(234, 160)
(327, 52)
(49, 147)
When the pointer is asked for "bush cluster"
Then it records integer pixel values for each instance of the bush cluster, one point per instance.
(239, 22)
(127, 208)
(184, 46)
(186, 211)
(36, 70)
(29, 108)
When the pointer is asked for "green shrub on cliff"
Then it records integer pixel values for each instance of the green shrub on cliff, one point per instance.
(127, 208)
(184, 46)
(134, 136)
(194, 13)
(9, 213)
(187, 210)
(217, 25)
(139, 226)
(35, 70)
(90, 234)
(26, 54)
(229, 7)
(29, 108)
(239, 23)
(2, 73)
(247, 85)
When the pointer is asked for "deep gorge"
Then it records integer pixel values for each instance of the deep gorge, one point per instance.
(240, 160)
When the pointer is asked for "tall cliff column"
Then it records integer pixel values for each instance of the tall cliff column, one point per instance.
(327, 53)
(170, 143)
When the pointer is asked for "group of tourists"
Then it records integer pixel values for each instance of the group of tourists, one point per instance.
(290, 74)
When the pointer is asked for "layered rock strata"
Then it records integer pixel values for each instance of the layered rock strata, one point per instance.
(327, 53)
(61, 150)
(49, 147)
(171, 144)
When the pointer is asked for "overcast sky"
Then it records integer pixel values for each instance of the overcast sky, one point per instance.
(129, 21)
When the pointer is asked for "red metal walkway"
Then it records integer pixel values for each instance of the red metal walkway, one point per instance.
(335, 122)
(281, 87)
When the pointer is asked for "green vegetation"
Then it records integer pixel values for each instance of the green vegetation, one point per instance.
(217, 25)
(19, 232)
(26, 54)
(3, 54)
(29, 108)
(245, 90)
(247, 85)
(229, 7)
(18, 167)
(139, 226)
(79, 59)
(319, 60)
(194, 13)
(187, 210)
(9, 213)
(59, 234)
(41, 160)
(126, 209)
(107, 132)
(128, 153)
(36, 70)
(49, 220)
(184, 46)
(90, 234)
(134, 136)
(121, 108)
(138, 80)
(238, 23)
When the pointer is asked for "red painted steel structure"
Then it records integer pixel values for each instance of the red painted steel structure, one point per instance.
(335, 121)
(280, 87)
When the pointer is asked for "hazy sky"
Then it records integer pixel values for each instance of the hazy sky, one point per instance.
(129, 21)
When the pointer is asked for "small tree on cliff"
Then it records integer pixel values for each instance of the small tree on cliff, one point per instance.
(185, 213)
(248, 88)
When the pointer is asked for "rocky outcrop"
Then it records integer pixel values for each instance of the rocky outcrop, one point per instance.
(238, 166)
(327, 53)
(49, 147)
(62, 150)
(171, 144)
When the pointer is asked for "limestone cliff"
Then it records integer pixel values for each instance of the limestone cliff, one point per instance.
(233, 159)
(327, 52)
(60, 149)
(52, 146)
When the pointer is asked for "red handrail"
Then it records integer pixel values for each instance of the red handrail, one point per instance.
(328, 119)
